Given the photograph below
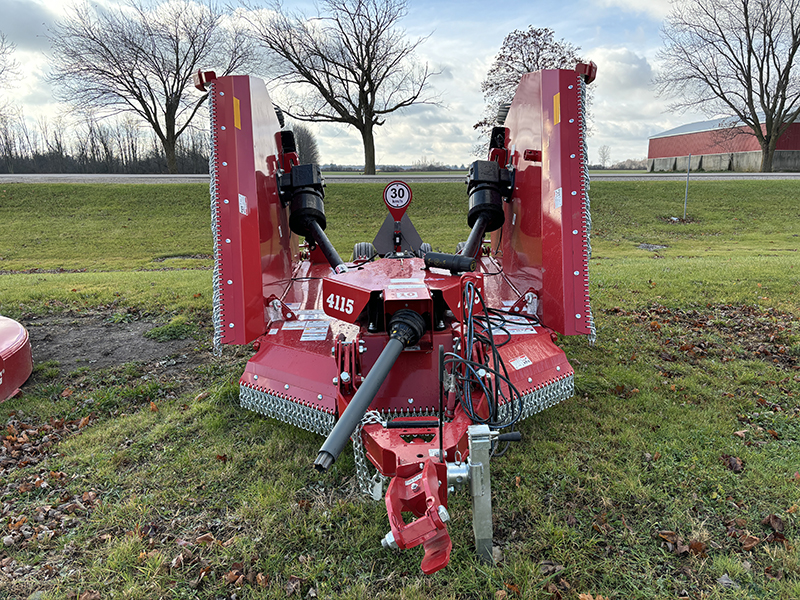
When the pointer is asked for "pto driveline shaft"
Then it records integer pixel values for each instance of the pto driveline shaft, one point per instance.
(405, 329)
(321, 240)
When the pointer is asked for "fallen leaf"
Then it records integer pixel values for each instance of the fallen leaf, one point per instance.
(512, 587)
(776, 576)
(517, 480)
(726, 581)
(548, 567)
(774, 522)
(773, 433)
(669, 536)
(293, 586)
(222, 457)
(206, 538)
(740, 434)
(232, 576)
(153, 407)
(749, 542)
(66, 393)
(91, 595)
(552, 588)
(698, 548)
(262, 580)
(734, 463)
(500, 595)
(228, 543)
(83, 422)
(201, 396)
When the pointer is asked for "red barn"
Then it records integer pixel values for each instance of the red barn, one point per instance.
(716, 146)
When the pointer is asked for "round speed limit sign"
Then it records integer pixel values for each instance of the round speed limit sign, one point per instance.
(397, 195)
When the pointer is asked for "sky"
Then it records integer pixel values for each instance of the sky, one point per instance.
(462, 38)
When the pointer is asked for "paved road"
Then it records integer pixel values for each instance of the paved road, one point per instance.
(426, 178)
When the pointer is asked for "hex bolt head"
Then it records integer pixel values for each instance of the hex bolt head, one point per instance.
(345, 377)
(443, 514)
(389, 542)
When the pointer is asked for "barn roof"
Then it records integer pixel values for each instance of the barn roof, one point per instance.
(699, 126)
(712, 125)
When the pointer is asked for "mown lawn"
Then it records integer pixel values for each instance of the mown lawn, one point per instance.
(672, 473)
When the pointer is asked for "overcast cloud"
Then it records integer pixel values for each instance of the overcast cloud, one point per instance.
(621, 36)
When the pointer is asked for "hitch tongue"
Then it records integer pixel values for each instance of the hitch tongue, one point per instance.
(424, 496)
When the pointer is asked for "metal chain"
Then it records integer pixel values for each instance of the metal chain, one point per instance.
(218, 301)
(587, 213)
(370, 485)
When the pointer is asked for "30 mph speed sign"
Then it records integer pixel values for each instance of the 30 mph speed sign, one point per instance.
(397, 195)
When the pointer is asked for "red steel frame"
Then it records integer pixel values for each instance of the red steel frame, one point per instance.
(313, 347)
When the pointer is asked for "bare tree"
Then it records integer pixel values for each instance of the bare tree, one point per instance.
(738, 58)
(350, 64)
(523, 51)
(141, 58)
(8, 66)
(605, 155)
(307, 149)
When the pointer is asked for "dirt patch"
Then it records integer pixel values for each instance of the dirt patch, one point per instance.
(95, 341)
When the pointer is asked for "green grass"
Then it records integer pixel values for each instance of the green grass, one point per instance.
(679, 366)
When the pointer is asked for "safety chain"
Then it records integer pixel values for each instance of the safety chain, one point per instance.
(370, 485)
(587, 213)
(218, 302)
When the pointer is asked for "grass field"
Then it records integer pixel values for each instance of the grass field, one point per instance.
(673, 472)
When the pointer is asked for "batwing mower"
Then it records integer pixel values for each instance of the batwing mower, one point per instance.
(427, 361)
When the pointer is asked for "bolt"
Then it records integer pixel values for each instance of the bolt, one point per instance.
(223, 128)
(335, 380)
(577, 316)
(226, 201)
(286, 387)
(414, 487)
(572, 120)
(443, 514)
(574, 232)
(574, 193)
(230, 325)
(389, 542)
(576, 273)
(319, 396)
(572, 156)
(230, 281)
(222, 93)
(227, 240)
(421, 465)
(411, 401)
(530, 379)
(224, 164)
(558, 368)
(345, 377)
(255, 376)
(276, 304)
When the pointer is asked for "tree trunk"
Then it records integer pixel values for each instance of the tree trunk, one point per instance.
(767, 154)
(369, 149)
(172, 160)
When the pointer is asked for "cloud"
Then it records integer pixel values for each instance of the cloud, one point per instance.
(25, 23)
(656, 9)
